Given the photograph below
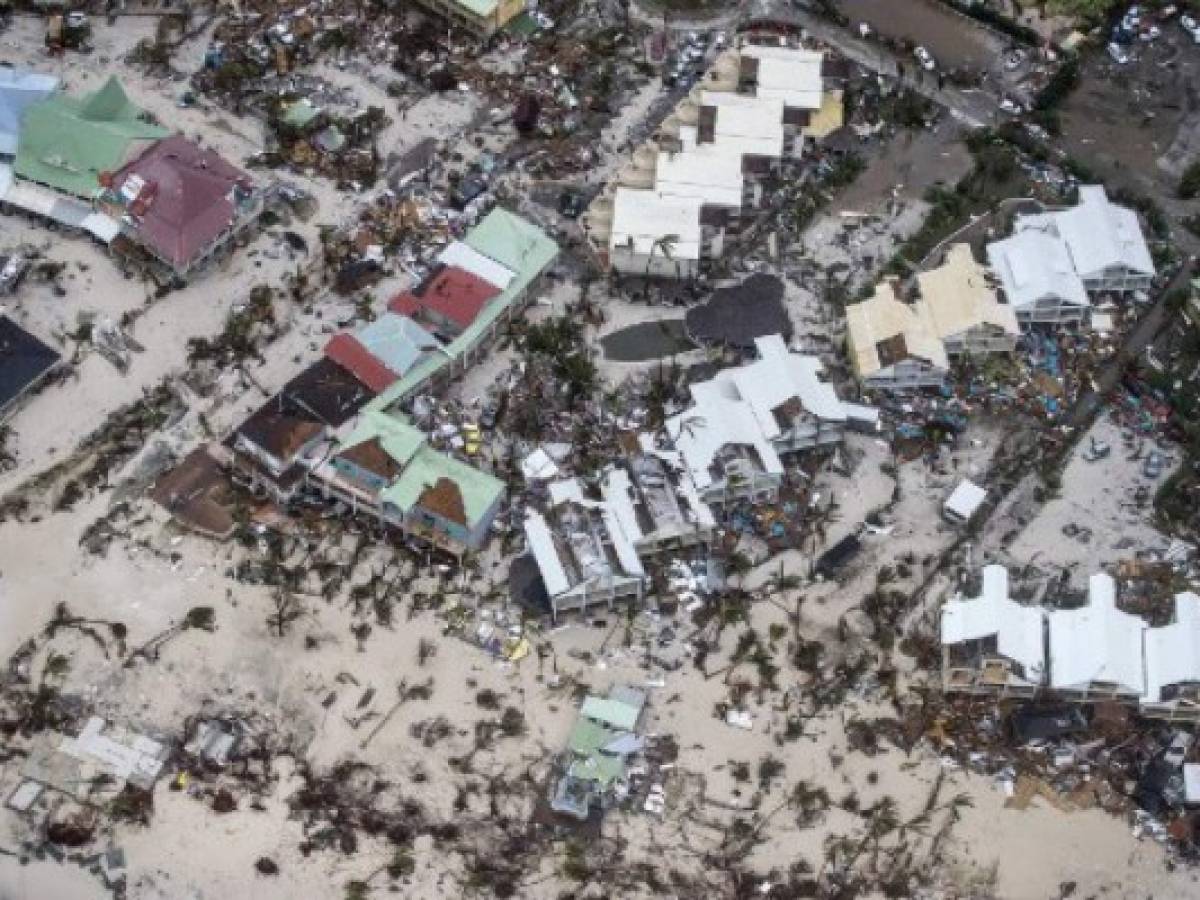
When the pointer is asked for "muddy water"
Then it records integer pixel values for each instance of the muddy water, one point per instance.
(953, 40)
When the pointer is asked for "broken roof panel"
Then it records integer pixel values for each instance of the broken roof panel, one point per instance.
(959, 296)
(871, 324)
(545, 552)
(383, 351)
(453, 293)
(427, 469)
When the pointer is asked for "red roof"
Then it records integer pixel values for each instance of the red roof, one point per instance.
(452, 293)
(345, 350)
(187, 201)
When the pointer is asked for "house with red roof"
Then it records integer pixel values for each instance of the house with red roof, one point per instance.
(181, 202)
(448, 301)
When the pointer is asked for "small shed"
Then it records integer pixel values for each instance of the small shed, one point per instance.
(963, 504)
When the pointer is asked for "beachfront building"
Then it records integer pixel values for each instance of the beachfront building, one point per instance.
(893, 345)
(1173, 664)
(992, 644)
(1103, 240)
(668, 511)
(1039, 280)
(586, 547)
(182, 203)
(595, 762)
(504, 251)
(965, 310)
(383, 467)
(382, 352)
(70, 143)
(482, 18)
(1096, 650)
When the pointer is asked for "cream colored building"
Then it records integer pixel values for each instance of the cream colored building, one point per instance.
(894, 345)
(965, 307)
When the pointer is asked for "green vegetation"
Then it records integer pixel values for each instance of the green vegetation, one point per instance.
(1189, 184)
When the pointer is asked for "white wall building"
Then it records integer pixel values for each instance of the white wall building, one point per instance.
(1038, 278)
(1096, 650)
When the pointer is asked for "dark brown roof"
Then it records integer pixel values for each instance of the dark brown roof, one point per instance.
(444, 499)
(371, 456)
(279, 433)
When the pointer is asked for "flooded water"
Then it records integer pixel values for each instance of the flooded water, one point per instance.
(954, 41)
(649, 340)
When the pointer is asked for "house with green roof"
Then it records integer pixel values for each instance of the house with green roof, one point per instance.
(385, 467)
(596, 758)
(482, 18)
(71, 143)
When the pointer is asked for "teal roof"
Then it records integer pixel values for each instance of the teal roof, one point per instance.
(301, 113)
(400, 439)
(513, 242)
(427, 467)
(398, 342)
(598, 767)
(614, 713)
(68, 142)
(517, 245)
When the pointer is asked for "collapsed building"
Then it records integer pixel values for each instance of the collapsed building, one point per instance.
(599, 747)
(730, 439)
(995, 645)
(671, 208)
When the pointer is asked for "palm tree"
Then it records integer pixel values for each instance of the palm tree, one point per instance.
(665, 245)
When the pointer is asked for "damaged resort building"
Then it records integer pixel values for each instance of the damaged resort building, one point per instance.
(727, 446)
(996, 645)
(687, 190)
(340, 433)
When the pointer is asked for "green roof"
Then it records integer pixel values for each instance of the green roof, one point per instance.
(301, 113)
(67, 142)
(517, 245)
(614, 713)
(513, 242)
(481, 8)
(400, 440)
(427, 467)
(586, 740)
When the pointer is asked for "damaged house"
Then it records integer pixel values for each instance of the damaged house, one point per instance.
(893, 345)
(1173, 664)
(1096, 650)
(481, 18)
(599, 747)
(991, 643)
(1038, 279)
(964, 307)
(729, 441)
(586, 549)
(384, 467)
(182, 203)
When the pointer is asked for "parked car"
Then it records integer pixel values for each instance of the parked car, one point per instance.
(1118, 54)
(1154, 465)
(925, 59)
(1097, 450)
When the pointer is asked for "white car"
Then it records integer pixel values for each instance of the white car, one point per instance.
(1012, 107)
(864, 29)
(1118, 54)
(925, 59)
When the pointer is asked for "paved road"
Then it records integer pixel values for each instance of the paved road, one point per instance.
(975, 108)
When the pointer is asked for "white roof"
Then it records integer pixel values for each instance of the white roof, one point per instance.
(1173, 651)
(538, 466)
(1098, 234)
(57, 207)
(1019, 630)
(1034, 265)
(642, 217)
(1097, 642)
(471, 260)
(703, 174)
(966, 499)
(778, 376)
(713, 421)
(620, 517)
(788, 74)
(747, 125)
(541, 543)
